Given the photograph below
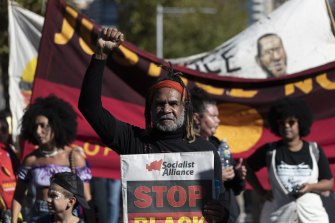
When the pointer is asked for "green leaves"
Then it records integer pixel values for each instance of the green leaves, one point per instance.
(184, 34)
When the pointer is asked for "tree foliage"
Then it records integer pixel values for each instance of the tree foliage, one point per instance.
(184, 34)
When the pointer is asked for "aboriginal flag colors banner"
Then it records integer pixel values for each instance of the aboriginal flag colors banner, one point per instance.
(25, 30)
(166, 187)
(65, 51)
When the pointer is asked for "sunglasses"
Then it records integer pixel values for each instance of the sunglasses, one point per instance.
(289, 121)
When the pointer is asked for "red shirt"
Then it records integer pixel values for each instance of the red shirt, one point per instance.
(7, 178)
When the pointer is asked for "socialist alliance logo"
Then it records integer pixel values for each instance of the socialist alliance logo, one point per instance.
(155, 165)
(172, 168)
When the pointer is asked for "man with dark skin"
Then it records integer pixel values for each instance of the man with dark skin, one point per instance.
(168, 115)
(271, 55)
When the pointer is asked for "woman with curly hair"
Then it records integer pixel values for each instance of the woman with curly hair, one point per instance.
(298, 170)
(50, 124)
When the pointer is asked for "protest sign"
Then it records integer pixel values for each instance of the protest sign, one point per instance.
(166, 187)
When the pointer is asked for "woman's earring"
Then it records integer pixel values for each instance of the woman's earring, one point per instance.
(197, 128)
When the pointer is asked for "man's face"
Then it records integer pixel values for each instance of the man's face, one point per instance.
(167, 110)
(272, 56)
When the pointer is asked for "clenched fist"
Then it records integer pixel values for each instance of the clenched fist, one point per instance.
(109, 38)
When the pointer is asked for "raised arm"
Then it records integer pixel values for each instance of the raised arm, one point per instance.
(90, 96)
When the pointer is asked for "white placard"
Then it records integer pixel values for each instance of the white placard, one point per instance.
(166, 187)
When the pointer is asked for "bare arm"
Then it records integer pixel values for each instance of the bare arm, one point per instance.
(17, 204)
(319, 187)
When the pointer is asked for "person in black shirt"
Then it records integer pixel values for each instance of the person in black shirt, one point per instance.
(168, 115)
(206, 121)
(298, 170)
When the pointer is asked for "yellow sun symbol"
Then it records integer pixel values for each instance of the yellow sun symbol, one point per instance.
(240, 125)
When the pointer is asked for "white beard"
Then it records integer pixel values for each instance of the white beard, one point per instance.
(178, 122)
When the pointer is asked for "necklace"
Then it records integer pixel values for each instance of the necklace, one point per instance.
(46, 153)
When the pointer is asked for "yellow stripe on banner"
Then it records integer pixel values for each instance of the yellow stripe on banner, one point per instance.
(86, 35)
(210, 89)
(154, 70)
(29, 71)
(67, 31)
(130, 58)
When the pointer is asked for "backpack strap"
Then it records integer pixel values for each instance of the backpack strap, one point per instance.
(315, 150)
(269, 153)
(72, 162)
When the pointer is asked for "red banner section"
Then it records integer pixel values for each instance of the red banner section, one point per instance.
(162, 200)
(65, 51)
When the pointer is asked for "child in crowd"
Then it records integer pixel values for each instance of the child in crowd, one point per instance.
(65, 193)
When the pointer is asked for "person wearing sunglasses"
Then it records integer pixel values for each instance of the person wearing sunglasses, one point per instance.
(298, 170)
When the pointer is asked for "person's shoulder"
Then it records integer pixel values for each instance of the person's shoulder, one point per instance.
(311, 143)
(77, 154)
(270, 146)
(203, 143)
(265, 148)
(215, 141)
(31, 158)
(200, 140)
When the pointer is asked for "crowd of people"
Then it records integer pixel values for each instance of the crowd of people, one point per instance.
(177, 119)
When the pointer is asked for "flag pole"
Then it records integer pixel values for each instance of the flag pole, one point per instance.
(331, 11)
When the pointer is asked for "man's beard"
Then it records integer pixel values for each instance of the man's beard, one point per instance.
(178, 122)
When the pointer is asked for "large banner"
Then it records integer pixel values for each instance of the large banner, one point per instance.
(296, 36)
(166, 187)
(25, 30)
(65, 52)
